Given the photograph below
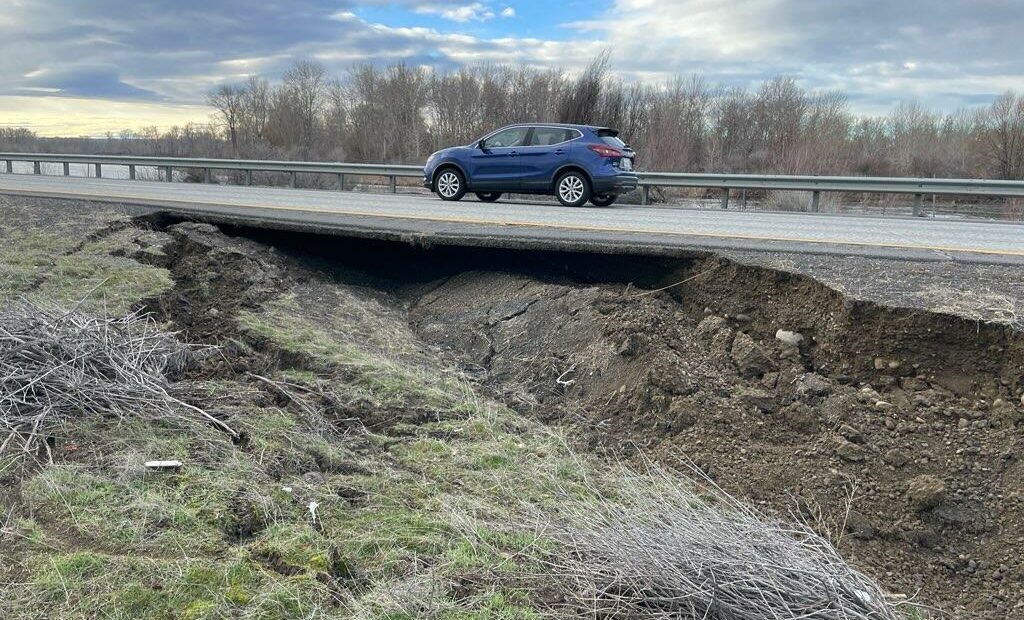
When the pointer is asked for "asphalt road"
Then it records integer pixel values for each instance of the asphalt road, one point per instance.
(619, 229)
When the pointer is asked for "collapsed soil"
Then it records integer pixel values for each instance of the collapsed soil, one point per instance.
(894, 432)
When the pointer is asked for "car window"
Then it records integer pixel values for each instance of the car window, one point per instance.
(513, 136)
(544, 136)
(613, 141)
(611, 138)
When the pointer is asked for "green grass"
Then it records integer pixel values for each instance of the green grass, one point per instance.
(414, 517)
(50, 267)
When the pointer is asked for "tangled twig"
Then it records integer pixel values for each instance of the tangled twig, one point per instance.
(57, 365)
(654, 546)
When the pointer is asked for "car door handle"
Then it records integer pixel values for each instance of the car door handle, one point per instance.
(559, 152)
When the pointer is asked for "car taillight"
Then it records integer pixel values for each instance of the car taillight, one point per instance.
(605, 150)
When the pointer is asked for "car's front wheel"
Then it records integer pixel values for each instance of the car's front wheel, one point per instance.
(572, 189)
(488, 196)
(603, 200)
(450, 184)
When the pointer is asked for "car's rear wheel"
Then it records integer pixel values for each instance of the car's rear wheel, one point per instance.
(603, 200)
(572, 189)
(450, 184)
(488, 196)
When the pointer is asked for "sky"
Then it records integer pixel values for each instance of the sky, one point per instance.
(84, 67)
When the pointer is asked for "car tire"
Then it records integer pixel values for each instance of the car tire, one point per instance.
(488, 196)
(572, 189)
(450, 184)
(603, 200)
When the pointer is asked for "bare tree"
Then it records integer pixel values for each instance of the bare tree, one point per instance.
(227, 102)
(1005, 136)
(400, 113)
(579, 103)
(304, 89)
(255, 111)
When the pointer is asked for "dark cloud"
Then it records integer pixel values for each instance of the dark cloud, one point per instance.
(84, 81)
(945, 53)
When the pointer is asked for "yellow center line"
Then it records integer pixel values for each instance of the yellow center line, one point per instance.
(157, 202)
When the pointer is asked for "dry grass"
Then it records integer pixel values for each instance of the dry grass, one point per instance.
(982, 305)
(57, 365)
(657, 545)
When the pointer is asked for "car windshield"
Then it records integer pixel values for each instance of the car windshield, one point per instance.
(513, 136)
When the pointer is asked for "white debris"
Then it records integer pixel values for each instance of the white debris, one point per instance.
(163, 465)
(790, 338)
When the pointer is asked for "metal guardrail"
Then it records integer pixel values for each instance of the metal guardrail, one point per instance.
(725, 182)
(166, 166)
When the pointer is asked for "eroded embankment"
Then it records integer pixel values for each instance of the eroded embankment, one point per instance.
(893, 431)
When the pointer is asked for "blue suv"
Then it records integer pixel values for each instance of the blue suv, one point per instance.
(576, 163)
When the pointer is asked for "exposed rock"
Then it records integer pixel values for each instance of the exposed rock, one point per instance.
(926, 491)
(849, 451)
(801, 418)
(851, 434)
(812, 384)
(759, 399)
(749, 358)
(1006, 412)
(721, 341)
(681, 415)
(859, 526)
(632, 345)
(709, 326)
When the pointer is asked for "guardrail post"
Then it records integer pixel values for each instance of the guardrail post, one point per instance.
(206, 175)
(248, 177)
(645, 194)
(341, 182)
(10, 167)
(99, 171)
(67, 169)
(131, 172)
(815, 201)
(35, 168)
(394, 184)
(725, 197)
(743, 199)
(168, 173)
(917, 204)
(291, 179)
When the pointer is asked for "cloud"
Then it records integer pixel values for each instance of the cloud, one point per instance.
(476, 11)
(83, 81)
(946, 54)
(876, 50)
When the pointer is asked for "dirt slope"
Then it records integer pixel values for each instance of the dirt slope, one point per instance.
(896, 431)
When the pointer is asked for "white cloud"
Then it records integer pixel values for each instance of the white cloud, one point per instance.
(476, 11)
(508, 12)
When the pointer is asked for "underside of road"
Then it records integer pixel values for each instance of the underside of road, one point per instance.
(878, 400)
